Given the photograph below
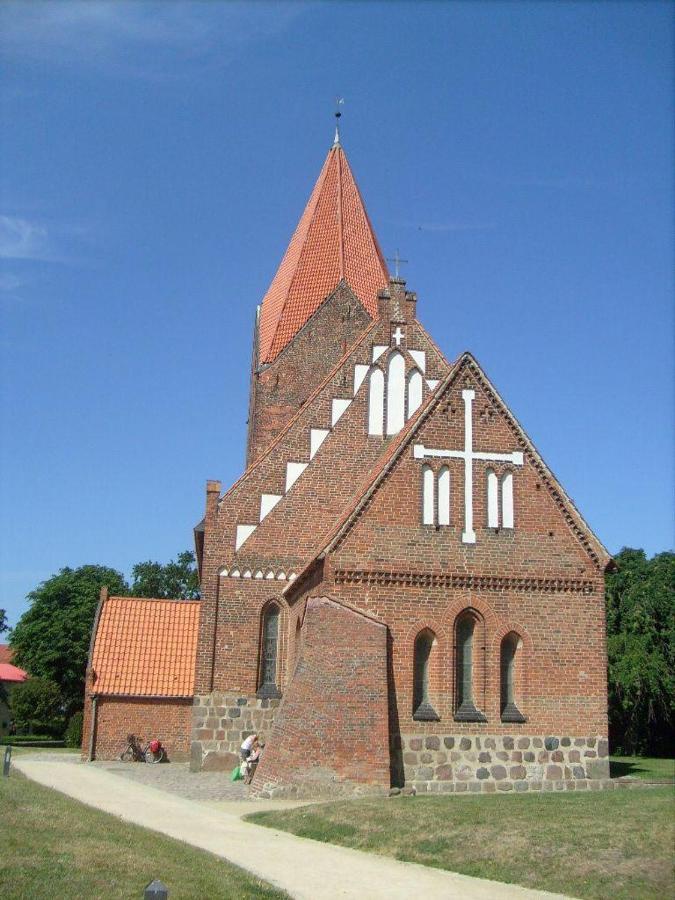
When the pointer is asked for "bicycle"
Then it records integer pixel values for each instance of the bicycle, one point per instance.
(153, 752)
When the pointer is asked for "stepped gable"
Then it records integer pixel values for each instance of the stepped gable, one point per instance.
(464, 372)
(334, 240)
(297, 489)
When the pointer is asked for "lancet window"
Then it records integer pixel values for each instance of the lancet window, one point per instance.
(499, 500)
(395, 398)
(435, 496)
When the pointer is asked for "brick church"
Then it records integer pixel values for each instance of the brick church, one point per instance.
(397, 590)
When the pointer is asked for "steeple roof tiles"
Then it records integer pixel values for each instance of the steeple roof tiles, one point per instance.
(333, 240)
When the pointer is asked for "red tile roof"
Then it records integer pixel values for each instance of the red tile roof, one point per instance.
(334, 240)
(146, 647)
(8, 672)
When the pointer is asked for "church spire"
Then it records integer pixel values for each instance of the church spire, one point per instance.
(333, 240)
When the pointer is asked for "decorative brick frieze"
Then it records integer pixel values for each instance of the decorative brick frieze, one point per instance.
(465, 581)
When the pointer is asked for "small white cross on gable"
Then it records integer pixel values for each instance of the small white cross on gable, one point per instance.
(398, 335)
(468, 454)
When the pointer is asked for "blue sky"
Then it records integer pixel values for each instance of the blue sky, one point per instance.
(156, 158)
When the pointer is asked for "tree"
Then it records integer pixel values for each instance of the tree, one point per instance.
(641, 651)
(36, 705)
(178, 579)
(3, 621)
(51, 639)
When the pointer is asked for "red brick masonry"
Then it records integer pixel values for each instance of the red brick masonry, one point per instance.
(331, 732)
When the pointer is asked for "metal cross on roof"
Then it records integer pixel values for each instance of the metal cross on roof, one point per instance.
(396, 259)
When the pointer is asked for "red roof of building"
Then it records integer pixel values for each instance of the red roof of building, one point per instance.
(333, 240)
(145, 647)
(8, 672)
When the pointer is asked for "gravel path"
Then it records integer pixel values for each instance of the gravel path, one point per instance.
(176, 778)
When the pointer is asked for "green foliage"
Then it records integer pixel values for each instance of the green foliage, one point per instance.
(3, 621)
(73, 733)
(51, 640)
(37, 706)
(177, 580)
(641, 652)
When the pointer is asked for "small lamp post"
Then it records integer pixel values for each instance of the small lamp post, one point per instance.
(7, 760)
(156, 890)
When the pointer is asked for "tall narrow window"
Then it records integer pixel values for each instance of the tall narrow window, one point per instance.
(428, 485)
(414, 391)
(464, 668)
(507, 665)
(269, 652)
(376, 402)
(422, 708)
(492, 499)
(395, 393)
(444, 496)
(507, 500)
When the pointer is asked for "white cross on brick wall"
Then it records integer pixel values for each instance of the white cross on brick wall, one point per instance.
(468, 454)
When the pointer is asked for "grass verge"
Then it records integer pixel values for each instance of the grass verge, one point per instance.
(53, 846)
(602, 844)
(643, 767)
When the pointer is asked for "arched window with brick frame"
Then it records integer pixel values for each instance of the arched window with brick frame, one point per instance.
(268, 686)
(469, 664)
(423, 659)
(509, 660)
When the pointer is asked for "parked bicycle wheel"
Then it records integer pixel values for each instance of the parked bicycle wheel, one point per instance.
(128, 755)
(152, 756)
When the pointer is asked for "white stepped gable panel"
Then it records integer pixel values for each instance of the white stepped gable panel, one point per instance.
(340, 406)
(376, 402)
(378, 350)
(293, 471)
(267, 503)
(244, 532)
(316, 438)
(420, 358)
(414, 392)
(432, 383)
(395, 393)
(360, 372)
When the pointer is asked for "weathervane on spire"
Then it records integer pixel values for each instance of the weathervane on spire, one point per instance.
(339, 101)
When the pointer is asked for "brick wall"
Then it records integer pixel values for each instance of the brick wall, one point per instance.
(330, 734)
(280, 389)
(168, 720)
(220, 722)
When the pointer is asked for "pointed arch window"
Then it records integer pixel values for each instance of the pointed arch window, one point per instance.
(435, 496)
(509, 652)
(465, 668)
(269, 652)
(500, 500)
(395, 393)
(423, 710)
(376, 402)
(414, 392)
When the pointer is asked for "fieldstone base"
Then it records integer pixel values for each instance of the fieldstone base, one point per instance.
(220, 722)
(486, 764)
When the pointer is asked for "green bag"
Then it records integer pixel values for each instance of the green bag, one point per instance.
(236, 774)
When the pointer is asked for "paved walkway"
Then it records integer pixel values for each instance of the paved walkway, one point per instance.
(306, 869)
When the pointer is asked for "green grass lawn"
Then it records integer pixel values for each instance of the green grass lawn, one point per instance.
(602, 844)
(54, 847)
(643, 767)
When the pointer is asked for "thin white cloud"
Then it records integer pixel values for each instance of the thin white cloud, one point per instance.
(20, 239)
(138, 38)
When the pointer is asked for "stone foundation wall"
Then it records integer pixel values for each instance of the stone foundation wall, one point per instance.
(456, 763)
(220, 722)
